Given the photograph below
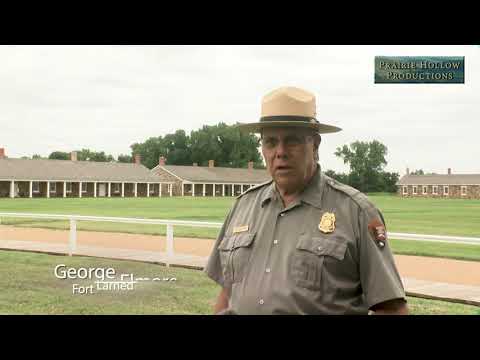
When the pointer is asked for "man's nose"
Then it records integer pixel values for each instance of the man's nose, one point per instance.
(281, 150)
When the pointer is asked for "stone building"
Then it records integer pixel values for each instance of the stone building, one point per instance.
(460, 186)
(71, 178)
(209, 181)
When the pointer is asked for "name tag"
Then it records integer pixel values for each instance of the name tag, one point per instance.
(240, 229)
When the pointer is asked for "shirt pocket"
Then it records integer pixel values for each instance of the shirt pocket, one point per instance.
(235, 252)
(310, 256)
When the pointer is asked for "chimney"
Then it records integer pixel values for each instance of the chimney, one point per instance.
(449, 171)
(250, 165)
(137, 159)
(408, 171)
(161, 161)
(195, 164)
(73, 156)
(211, 163)
(2, 153)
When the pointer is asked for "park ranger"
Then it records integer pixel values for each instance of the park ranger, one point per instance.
(302, 243)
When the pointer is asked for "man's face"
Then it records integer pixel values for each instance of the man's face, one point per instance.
(289, 155)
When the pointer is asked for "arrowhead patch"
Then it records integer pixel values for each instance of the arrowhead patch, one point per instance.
(377, 229)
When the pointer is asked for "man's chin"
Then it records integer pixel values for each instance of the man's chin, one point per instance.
(286, 183)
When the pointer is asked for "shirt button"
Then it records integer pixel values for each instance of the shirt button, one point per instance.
(267, 270)
(261, 302)
(275, 242)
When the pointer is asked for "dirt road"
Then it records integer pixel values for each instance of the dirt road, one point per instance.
(422, 268)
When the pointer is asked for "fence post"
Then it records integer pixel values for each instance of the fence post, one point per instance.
(72, 244)
(170, 250)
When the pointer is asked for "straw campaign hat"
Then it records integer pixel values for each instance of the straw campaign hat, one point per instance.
(289, 106)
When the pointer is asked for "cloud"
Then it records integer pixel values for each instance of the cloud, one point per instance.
(108, 97)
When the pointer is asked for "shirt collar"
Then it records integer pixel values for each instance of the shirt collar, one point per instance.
(312, 194)
(270, 193)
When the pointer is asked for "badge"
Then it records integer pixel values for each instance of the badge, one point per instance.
(327, 224)
(377, 229)
(239, 229)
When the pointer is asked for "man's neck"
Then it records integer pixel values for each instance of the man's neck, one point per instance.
(288, 196)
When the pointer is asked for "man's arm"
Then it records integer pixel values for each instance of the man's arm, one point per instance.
(222, 301)
(391, 307)
(380, 279)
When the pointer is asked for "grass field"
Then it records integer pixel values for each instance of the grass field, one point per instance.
(436, 249)
(430, 216)
(28, 286)
(427, 216)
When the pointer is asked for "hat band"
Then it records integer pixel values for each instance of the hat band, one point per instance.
(307, 119)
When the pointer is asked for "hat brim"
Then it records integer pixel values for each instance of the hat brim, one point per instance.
(258, 126)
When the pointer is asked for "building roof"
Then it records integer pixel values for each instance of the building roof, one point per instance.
(43, 170)
(443, 179)
(216, 174)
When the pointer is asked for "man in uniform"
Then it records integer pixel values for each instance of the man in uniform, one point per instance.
(302, 243)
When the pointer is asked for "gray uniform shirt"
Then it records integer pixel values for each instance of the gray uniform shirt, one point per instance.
(276, 260)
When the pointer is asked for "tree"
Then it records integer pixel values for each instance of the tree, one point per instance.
(82, 155)
(150, 151)
(89, 155)
(389, 181)
(227, 146)
(59, 155)
(178, 147)
(206, 146)
(124, 158)
(222, 143)
(245, 149)
(343, 178)
(366, 161)
(417, 172)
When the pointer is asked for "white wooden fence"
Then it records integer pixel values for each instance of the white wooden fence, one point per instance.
(171, 223)
(72, 244)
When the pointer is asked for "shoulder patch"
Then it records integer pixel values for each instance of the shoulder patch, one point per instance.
(256, 187)
(378, 232)
(357, 196)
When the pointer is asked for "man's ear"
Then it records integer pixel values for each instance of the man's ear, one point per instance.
(317, 139)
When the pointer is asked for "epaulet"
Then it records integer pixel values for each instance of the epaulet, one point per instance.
(256, 187)
(357, 196)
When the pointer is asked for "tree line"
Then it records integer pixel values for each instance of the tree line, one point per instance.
(224, 144)
(367, 161)
(228, 147)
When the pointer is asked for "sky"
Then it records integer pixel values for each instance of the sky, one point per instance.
(105, 98)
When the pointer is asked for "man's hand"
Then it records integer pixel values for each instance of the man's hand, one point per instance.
(391, 307)
(222, 301)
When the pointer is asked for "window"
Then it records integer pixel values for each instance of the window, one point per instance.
(35, 186)
(152, 188)
(53, 187)
(116, 187)
(435, 190)
(405, 190)
(84, 187)
(464, 190)
(425, 190)
(69, 187)
(445, 190)
(414, 190)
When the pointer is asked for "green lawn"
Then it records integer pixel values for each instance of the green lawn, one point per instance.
(186, 208)
(28, 286)
(427, 216)
(422, 216)
(430, 216)
(436, 249)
